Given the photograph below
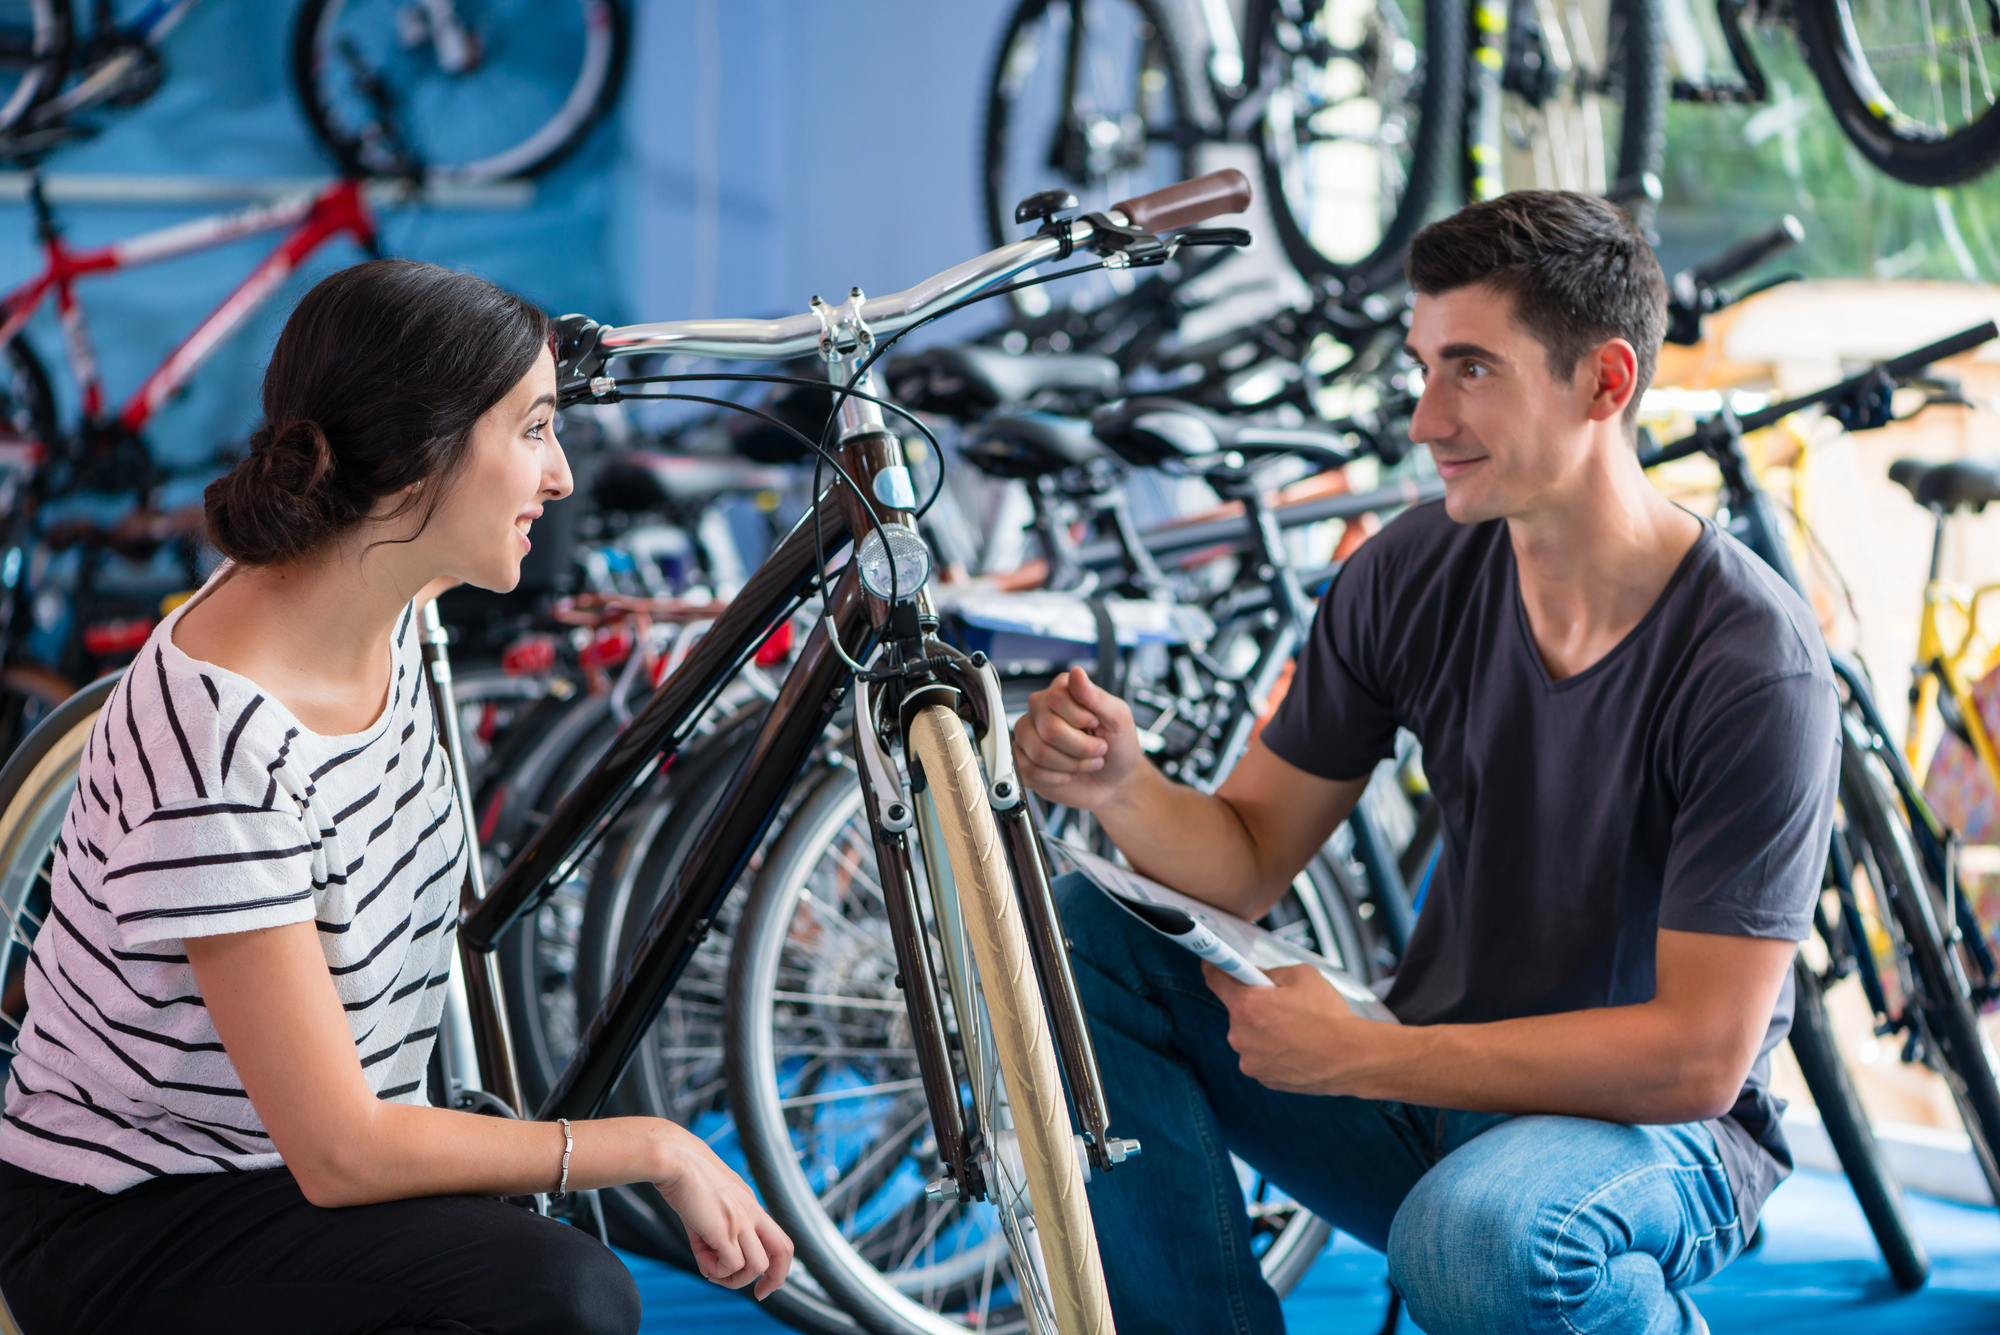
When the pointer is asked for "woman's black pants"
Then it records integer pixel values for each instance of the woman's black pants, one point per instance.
(248, 1252)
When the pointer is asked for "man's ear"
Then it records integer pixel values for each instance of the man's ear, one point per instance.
(1614, 378)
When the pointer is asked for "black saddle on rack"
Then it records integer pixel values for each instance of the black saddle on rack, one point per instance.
(1967, 483)
(969, 380)
(648, 482)
(1030, 446)
(1153, 432)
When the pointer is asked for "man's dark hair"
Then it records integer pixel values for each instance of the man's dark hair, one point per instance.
(1578, 270)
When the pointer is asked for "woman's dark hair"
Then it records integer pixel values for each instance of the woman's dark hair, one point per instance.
(375, 384)
(1579, 272)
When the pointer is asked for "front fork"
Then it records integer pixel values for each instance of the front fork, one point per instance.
(873, 457)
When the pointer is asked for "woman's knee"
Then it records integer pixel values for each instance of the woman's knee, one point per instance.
(563, 1279)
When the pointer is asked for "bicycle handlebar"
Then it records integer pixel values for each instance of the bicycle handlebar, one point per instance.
(1748, 254)
(1188, 202)
(1895, 368)
(1179, 205)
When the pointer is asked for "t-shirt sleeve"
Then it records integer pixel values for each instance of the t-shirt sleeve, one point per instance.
(1749, 843)
(206, 868)
(1336, 721)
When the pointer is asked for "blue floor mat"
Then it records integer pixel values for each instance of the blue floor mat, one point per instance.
(1817, 1272)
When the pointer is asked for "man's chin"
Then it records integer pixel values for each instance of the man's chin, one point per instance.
(1466, 505)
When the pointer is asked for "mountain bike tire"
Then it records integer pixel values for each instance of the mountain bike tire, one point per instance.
(1437, 72)
(1175, 141)
(1840, 1111)
(35, 789)
(1939, 995)
(338, 107)
(1894, 142)
(37, 36)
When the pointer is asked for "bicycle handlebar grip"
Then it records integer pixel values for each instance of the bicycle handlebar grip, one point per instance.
(1964, 341)
(1188, 202)
(1750, 253)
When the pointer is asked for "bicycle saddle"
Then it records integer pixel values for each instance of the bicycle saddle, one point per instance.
(1030, 446)
(1153, 432)
(1969, 483)
(645, 481)
(968, 380)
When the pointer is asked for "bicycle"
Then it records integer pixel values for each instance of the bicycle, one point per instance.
(1942, 672)
(1350, 104)
(105, 451)
(1891, 864)
(1912, 87)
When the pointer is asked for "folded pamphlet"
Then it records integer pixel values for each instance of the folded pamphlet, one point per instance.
(1243, 950)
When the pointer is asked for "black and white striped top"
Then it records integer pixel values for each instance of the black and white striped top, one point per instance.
(202, 807)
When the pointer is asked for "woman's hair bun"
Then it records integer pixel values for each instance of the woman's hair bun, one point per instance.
(374, 385)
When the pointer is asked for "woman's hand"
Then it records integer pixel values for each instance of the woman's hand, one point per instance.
(734, 1241)
(1077, 744)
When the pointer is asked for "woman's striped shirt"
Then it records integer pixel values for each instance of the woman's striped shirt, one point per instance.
(202, 807)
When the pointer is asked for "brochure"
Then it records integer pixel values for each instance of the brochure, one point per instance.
(1240, 949)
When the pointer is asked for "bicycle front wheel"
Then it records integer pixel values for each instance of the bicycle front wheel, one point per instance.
(1912, 86)
(829, 1105)
(455, 92)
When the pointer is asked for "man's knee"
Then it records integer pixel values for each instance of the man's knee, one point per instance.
(1466, 1252)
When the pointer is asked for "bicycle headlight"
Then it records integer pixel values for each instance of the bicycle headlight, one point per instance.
(901, 551)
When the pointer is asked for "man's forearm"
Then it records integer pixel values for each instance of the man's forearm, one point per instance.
(1635, 1064)
(1191, 841)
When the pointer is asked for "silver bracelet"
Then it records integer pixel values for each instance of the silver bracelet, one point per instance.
(569, 1143)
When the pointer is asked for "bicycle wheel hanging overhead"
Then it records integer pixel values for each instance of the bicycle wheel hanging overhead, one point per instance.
(1092, 95)
(1356, 127)
(455, 91)
(34, 52)
(1912, 85)
(1565, 97)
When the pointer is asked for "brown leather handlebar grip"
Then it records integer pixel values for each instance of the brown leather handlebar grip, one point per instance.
(1189, 202)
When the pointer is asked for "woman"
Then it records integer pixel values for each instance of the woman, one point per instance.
(217, 1120)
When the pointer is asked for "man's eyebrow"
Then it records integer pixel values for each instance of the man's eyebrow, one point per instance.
(1455, 351)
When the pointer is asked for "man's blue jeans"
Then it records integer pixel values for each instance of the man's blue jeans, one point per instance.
(1491, 1223)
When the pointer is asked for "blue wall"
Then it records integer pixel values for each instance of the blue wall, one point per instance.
(762, 151)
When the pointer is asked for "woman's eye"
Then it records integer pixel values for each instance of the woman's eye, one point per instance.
(535, 431)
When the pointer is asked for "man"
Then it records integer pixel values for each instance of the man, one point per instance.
(1630, 727)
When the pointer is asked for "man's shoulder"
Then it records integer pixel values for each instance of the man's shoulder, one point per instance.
(1426, 541)
(1744, 622)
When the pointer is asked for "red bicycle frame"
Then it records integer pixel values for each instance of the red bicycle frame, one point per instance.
(315, 217)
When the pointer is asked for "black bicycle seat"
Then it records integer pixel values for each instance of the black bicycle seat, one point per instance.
(968, 380)
(1967, 483)
(1155, 432)
(647, 482)
(1030, 446)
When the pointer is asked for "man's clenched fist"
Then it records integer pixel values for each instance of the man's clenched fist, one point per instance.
(1077, 744)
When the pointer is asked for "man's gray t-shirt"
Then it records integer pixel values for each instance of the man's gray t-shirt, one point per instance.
(1683, 781)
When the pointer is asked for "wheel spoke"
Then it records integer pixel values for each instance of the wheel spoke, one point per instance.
(857, 1092)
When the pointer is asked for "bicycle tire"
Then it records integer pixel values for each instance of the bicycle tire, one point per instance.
(1894, 142)
(1847, 1126)
(1185, 95)
(50, 36)
(36, 784)
(1442, 65)
(775, 976)
(360, 149)
(1633, 77)
(1939, 995)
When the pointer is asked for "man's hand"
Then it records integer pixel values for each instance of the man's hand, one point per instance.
(1299, 1036)
(1077, 744)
